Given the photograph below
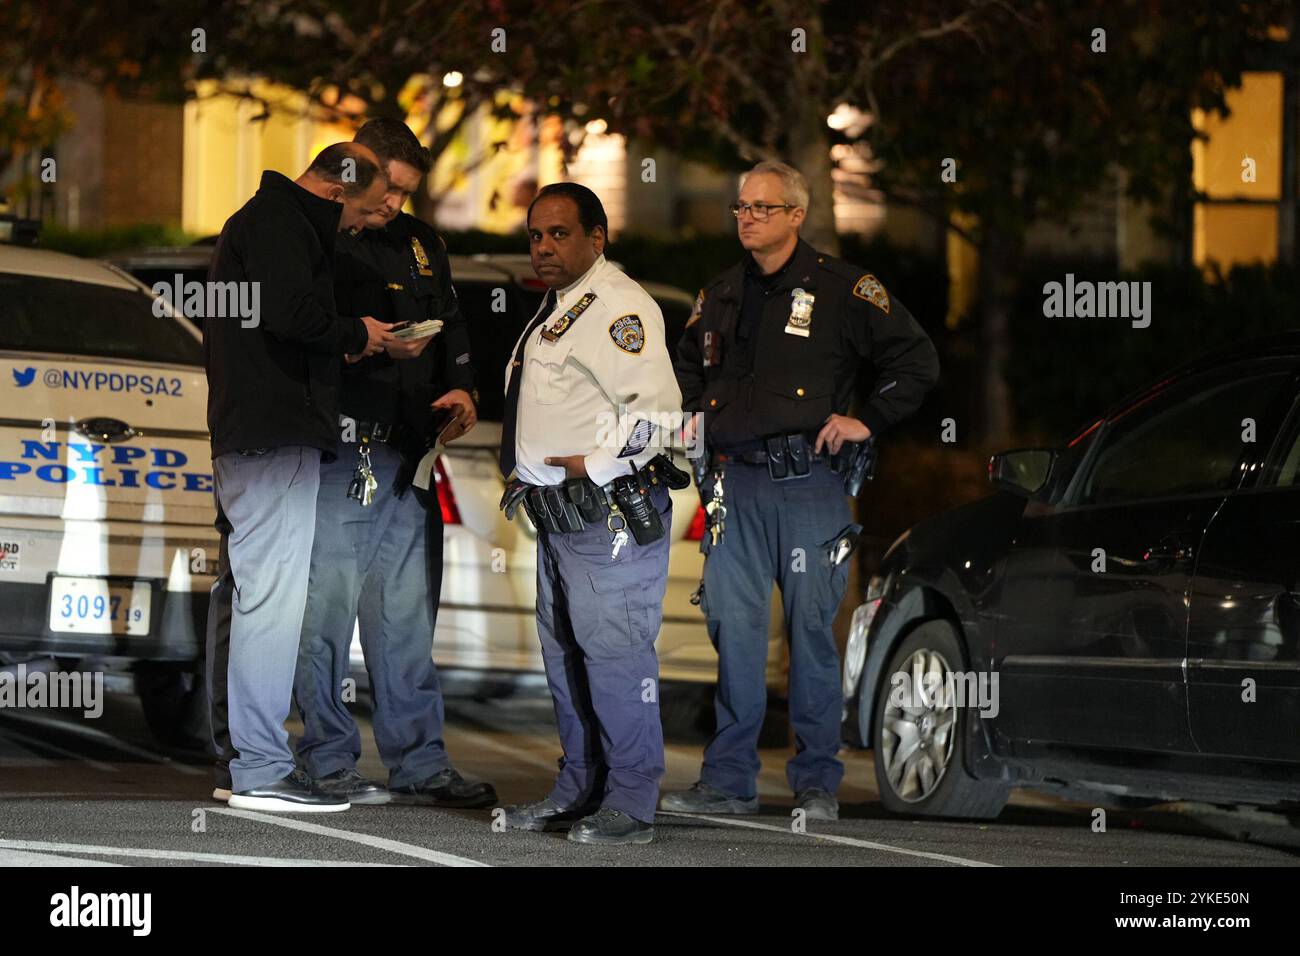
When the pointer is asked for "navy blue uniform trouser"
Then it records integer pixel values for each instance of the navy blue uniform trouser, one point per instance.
(598, 617)
(782, 532)
(381, 568)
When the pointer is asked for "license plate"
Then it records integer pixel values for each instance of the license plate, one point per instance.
(99, 606)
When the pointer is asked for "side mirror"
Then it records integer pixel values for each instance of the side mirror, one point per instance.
(1024, 470)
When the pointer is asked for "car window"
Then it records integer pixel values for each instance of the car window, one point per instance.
(42, 314)
(152, 275)
(1285, 470)
(1186, 443)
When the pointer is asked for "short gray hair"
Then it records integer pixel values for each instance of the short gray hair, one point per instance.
(794, 188)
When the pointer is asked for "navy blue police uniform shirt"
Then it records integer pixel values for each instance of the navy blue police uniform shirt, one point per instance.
(396, 274)
(758, 366)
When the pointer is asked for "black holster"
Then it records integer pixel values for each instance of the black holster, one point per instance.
(633, 499)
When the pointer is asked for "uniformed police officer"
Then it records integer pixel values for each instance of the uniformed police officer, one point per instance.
(589, 393)
(769, 359)
(377, 557)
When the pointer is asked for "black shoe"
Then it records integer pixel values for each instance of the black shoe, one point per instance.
(818, 804)
(354, 788)
(702, 798)
(541, 814)
(447, 788)
(609, 827)
(292, 794)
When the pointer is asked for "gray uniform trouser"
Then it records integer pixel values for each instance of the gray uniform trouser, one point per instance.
(379, 567)
(269, 500)
(598, 618)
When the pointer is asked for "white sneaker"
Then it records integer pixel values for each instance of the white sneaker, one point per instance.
(292, 794)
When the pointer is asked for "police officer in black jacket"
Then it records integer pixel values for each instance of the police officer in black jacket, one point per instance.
(272, 406)
(769, 359)
(377, 557)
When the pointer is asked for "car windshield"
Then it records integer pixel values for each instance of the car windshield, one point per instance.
(42, 314)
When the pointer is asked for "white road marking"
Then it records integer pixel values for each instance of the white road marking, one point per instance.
(847, 841)
(105, 738)
(147, 854)
(21, 858)
(379, 843)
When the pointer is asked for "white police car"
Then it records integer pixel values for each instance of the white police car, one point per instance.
(106, 539)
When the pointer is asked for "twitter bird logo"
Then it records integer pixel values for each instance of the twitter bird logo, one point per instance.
(23, 377)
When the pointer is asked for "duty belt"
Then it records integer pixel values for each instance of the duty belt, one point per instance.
(791, 456)
(573, 504)
(375, 431)
(788, 456)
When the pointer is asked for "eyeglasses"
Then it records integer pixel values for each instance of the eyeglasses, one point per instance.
(761, 211)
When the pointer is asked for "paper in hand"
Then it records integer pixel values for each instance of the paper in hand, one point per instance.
(421, 330)
(424, 470)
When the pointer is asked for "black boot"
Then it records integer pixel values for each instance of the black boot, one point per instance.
(446, 788)
(609, 827)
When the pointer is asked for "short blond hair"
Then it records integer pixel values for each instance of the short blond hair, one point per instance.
(794, 188)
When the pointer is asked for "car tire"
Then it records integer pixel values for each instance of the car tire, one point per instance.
(922, 770)
(174, 699)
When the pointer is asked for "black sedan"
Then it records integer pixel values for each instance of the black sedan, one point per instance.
(1120, 618)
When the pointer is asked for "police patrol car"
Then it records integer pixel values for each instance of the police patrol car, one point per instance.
(106, 538)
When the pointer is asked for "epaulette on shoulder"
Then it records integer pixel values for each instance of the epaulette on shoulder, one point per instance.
(838, 267)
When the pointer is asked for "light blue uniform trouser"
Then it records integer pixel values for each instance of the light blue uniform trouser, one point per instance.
(379, 566)
(269, 500)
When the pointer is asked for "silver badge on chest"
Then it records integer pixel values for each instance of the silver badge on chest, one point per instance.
(801, 309)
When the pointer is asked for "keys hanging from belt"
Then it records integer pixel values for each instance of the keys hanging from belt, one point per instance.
(363, 485)
(715, 512)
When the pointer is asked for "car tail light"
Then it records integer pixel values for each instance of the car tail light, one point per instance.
(446, 497)
(696, 530)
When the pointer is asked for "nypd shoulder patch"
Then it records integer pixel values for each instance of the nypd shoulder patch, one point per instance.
(628, 333)
(870, 288)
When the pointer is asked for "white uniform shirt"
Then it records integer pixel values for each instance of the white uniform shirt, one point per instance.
(594, 385)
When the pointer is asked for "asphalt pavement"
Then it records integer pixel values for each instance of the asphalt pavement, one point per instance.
(103, 793)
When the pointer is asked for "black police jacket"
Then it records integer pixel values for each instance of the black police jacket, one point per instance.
(787, 382)
(276, 383)
(400, 273)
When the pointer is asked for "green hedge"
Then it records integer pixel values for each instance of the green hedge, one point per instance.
(98, 243)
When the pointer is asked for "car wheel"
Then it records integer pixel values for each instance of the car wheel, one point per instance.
(175, 703)
(918, 731)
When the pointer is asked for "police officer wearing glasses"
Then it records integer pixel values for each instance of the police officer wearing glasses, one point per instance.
(769, 360)
(590, 392)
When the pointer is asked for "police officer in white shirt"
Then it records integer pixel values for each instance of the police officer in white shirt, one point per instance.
(590, 397)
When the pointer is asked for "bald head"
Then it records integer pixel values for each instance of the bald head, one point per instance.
(347, 173)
